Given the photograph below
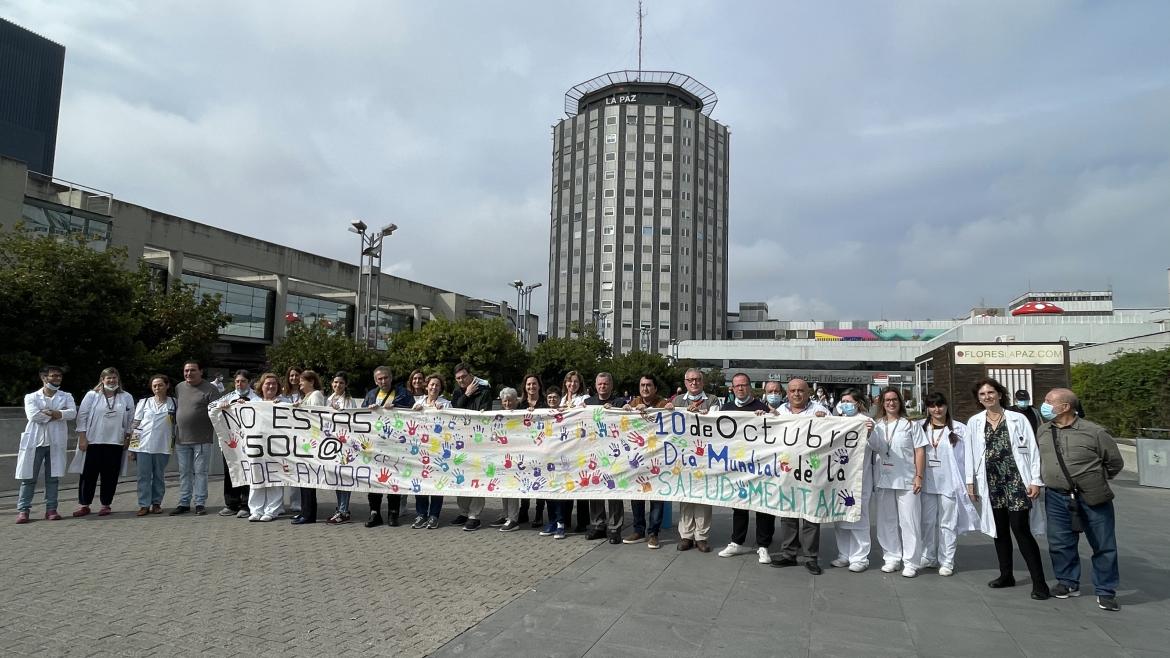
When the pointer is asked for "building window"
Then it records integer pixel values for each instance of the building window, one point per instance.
(610, 157)
(607, 230)
(249, 307)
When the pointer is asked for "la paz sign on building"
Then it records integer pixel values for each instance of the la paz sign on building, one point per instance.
(1008, 354)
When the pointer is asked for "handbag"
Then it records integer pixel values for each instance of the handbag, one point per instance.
(1074, 505)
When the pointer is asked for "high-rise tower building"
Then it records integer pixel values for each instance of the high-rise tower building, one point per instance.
(31, 68)
(639, 212)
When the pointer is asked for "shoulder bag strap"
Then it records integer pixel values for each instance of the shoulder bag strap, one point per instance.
(1060, 459)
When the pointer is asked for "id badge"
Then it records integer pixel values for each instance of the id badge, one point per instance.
(887, 464)
(111, 414)
(934, 463)
(134, 441)
(1022, 449)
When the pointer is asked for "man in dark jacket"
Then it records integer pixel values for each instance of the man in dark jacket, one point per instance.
(385, 394)
(1024, 406)
(473, 393)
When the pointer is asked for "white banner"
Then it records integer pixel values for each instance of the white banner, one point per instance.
(783, 465)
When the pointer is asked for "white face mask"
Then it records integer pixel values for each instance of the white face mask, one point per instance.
(110, 387)
(52, 387)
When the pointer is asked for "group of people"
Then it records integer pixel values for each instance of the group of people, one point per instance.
(928, 480)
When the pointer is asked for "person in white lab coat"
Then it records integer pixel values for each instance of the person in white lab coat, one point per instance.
(235, 497)
(1002, 470)
(44, 441)
(151, 437)
(947, 511)
(265, 503)
(853, 539)
(900, 448)
(341, 399)
(104, 418)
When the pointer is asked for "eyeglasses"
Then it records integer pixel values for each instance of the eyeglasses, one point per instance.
(692, 379)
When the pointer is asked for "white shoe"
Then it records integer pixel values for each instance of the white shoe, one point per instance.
(266, 518)
(734, 549)
(243, 514)
(765, 556)
(945, 570)
(840, 563)
(909, 572)
(891, 566)
(858, 567)
(930, 564)
(254, 518)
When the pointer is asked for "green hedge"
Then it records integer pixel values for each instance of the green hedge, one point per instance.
(1127, 393)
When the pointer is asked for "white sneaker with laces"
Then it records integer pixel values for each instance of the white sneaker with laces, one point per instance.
(909, 572)
(243, 514)
(254, 517)
(946, 570)
(266, 518)
(891, 566)
(765, 556)
(840, 563)
(734, 549)
(858, 567)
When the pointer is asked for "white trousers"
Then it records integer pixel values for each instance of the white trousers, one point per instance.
(899, 526)
(853, 542)
(265, 501)
(940, 516)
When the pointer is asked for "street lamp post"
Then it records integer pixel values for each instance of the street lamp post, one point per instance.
(645, 331)
(527, 307)
(519, 286)
(368, 297)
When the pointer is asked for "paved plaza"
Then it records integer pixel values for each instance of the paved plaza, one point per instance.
(190, 585)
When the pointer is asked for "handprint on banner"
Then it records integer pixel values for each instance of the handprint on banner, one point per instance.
(426, 438)
(528, 420)
(581, 460)
(384, 476)
(606, 462)
(699, 450)
(643, 483)
(535, 471)
(438, 426)
(615, 450)
(814, 461)
(636, 460)
(584, 478)
(411, 428)
(460, 458)
(539, 483)
(233, 440)
(407, 471)
(442, 464)
(652, 443)
(426, 459)
(416, 485)
(638, 439)
(459, 476)
(550, 467)
(566, 465)
(394, 487)
(842, 456)
(459, 445)
(847, 498)
(508, 461)
(598, 414)
(477, 434)
(525, 485)
(378, 425)
(559, 418)
(676, 469)
(740, 453)
(698, 473)
(743, 492)
(402, 438)
(624, 424)
(582, 431)
(446, 450)
(564, 435)
(655, 466)
(501, 439)
(785, 465)
(609, 483)
(614, 432)
(602, 430)
(595, 479)
(475, 483)
(442, 483)
(568, 484)
(592, 461)
(681, 442)
(538, 437)
(623, 482)
(451, 423)
(425, 473)
(513, 424)
(493, 484)
(434, 447)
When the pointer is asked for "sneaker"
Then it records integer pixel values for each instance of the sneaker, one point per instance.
(946, 570)
(891, 566)
(243, 514)
(652, 542)
(254, 518)
(595, 533)
(227, 511)
(1042, 594)
(560, 531)
(509, 526)
(52, 515)
(419, 522)
(785, 562)
(22, 517)
(156, 509)
(338, 518)
(734, 549)
(1062, 591)
(459, 520)
(765, 556)
(813, 567)
(702, 546)
(858, 567)
(200, 510)
(374, 521)
(104, 511)
(548, 529)
(909, 572)
(181, 509)
(1108, 603)
(685, 544)
(635, 538)
(267, 518)
(142, 511)
(472, 525)
(81, 511)
(499, 523)
(840, 563)
(1002, 581)
(432, 523)
(615, 538)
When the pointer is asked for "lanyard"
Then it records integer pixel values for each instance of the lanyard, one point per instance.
(110, 400)
(890, 436)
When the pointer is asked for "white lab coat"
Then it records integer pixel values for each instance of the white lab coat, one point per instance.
(947, 478)
(1027, 456)
(92, 411)
(54, 432)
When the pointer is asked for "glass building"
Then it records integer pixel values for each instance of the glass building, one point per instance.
(638, 242)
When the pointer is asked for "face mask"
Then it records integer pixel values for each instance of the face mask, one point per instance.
(110, 388)
(1047, 412)
(1022, 404)
(51, 386)
(848, 408)
(774, 399)
(741, 402)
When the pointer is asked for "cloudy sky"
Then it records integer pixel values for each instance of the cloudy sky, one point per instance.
(888, 159)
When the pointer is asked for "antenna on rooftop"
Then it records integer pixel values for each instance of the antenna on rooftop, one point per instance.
(641, 15)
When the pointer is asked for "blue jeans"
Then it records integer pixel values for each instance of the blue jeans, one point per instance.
(1097, 521)
(343, 501)
(29, 487)
(151, 486)
(192, 472)
(428, 505)
(638, 507)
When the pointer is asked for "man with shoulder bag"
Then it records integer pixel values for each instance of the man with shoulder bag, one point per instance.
(1077, 460)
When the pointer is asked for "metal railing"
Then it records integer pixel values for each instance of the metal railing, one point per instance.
(68, 193)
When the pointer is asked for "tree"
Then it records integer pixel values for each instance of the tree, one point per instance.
(487, 345)
(1127, 393)
(66, 304)
(327, 352)
(628, 368)
(557, 356)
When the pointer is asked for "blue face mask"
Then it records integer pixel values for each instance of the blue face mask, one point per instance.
(1022, 404)
(1047, 412)
(848, 409)
(774, 399)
